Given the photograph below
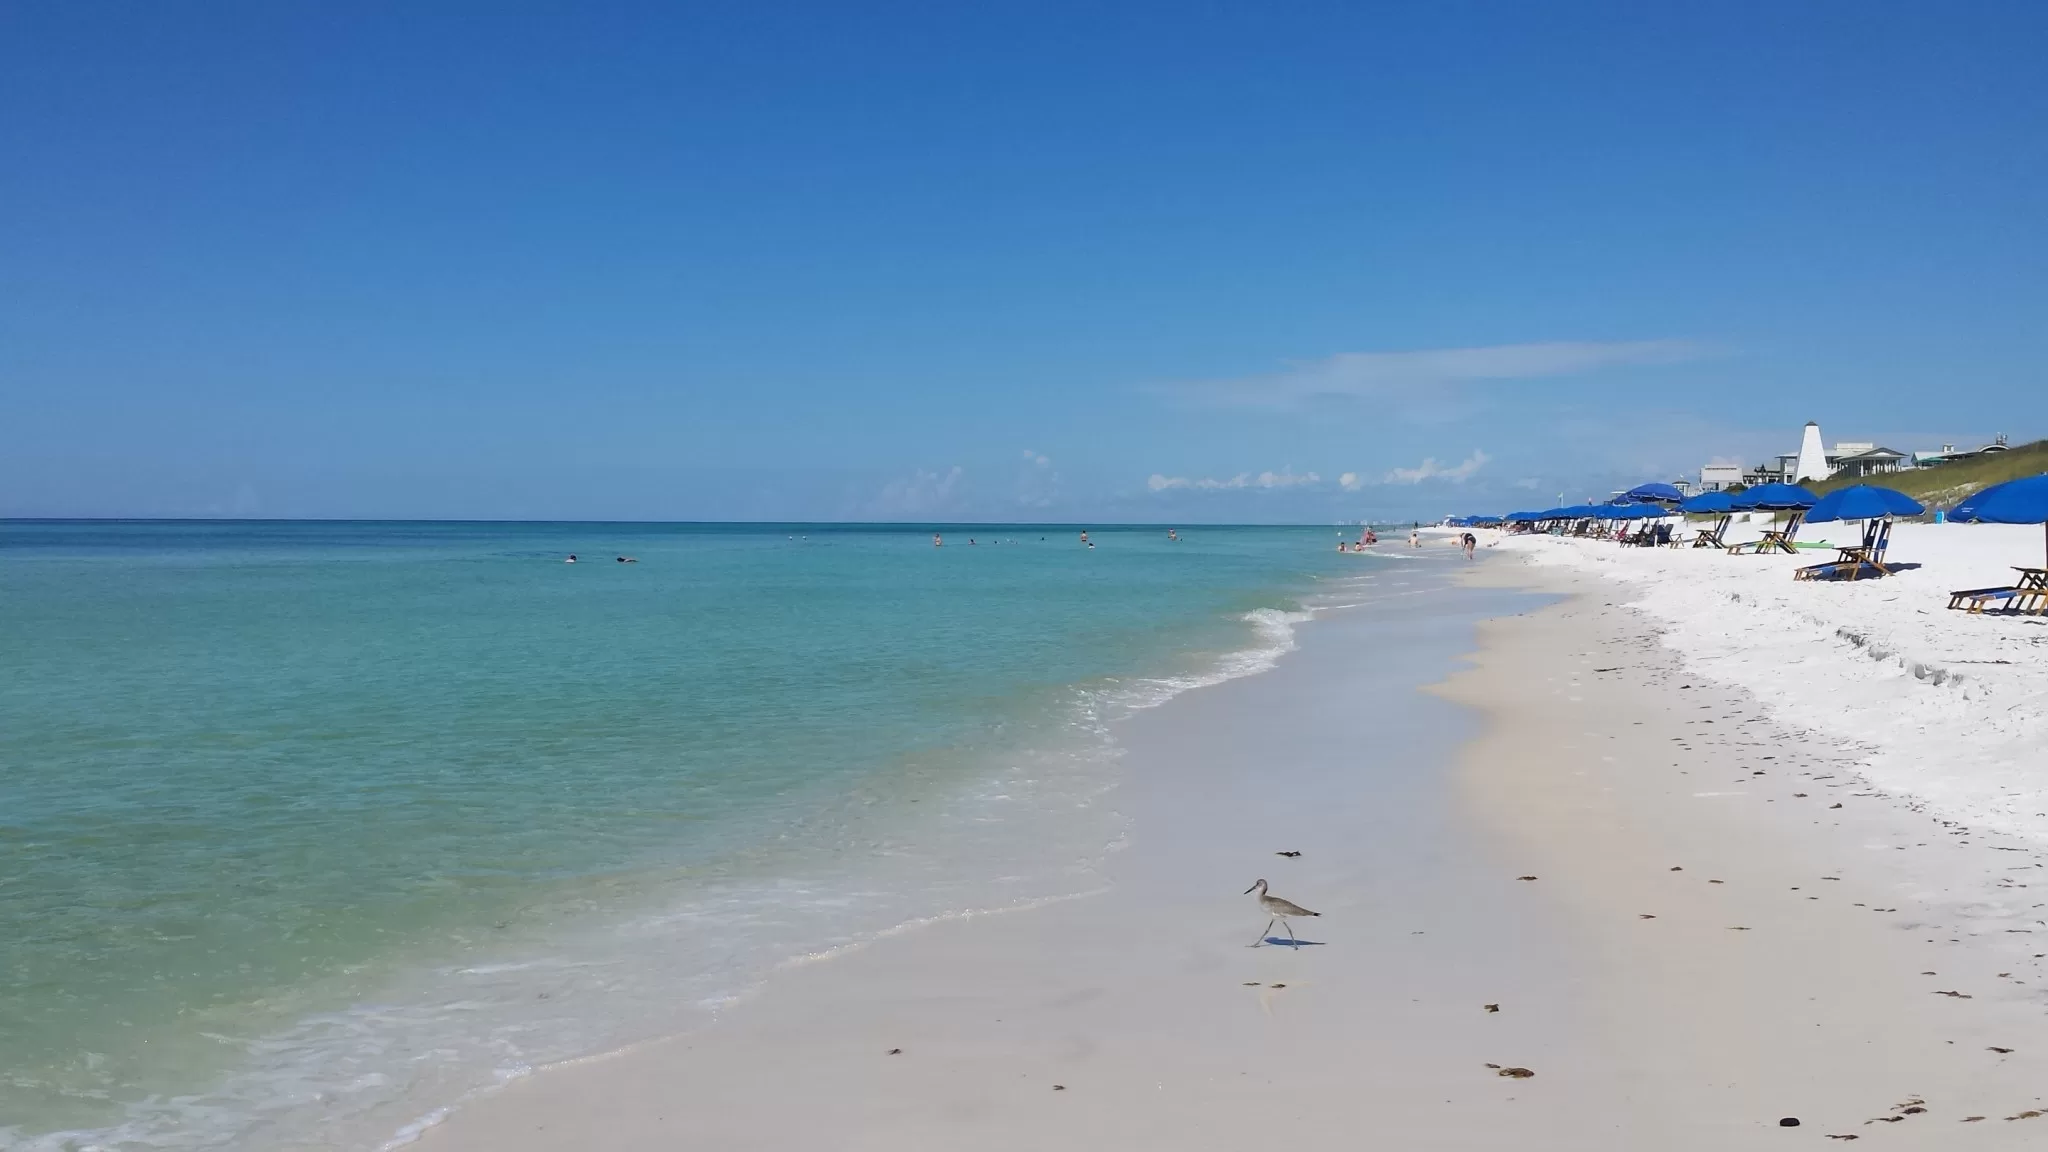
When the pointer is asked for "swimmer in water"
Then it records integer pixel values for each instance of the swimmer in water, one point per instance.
(628, 560)
(571, 559)
(1084, 538)
(938, 541)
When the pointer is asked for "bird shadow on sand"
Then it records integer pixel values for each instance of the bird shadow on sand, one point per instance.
(1284, 942)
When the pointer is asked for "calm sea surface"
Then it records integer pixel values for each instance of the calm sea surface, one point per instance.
(307, 829)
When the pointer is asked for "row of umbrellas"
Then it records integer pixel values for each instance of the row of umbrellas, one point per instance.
(1647, 503)
(2023, 501)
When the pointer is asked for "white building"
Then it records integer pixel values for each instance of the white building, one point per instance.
(1813, 459)
(1715, 477)
(1849, 458)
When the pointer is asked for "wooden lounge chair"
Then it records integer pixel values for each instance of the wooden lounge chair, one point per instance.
(2028, 597)
(1711, 537)
(1855, 563)
(1974, 600)
(1779, 540)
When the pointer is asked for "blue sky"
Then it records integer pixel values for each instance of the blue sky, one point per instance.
(1186, 261)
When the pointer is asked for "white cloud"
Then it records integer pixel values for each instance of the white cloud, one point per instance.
(1038, 486)
(1350, 482)
(1266, 480)
(1405, 374)
(921, 493)
(1429, 469)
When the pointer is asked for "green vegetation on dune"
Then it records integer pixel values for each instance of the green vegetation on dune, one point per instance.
(1943, 485)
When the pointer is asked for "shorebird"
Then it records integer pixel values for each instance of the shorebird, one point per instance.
(1280, 910)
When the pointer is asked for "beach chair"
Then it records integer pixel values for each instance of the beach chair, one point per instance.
(1711, 537)
(1660, 536)
(2027, 597)
(1772, 541)
(1866, 559)
(1975, 600)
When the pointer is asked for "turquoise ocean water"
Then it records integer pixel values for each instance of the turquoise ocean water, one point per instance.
(310, 829)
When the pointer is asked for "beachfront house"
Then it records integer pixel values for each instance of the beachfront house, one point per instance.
(1865, 460)
(1857, 458)
(1715, 477)
(1951, 452)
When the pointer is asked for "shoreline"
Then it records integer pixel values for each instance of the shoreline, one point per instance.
(956, 1034)
(1704, 952)
(464, 869)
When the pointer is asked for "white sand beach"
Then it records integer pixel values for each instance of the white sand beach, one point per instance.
(1772, 932)
(1944, 708)
(1704, 870)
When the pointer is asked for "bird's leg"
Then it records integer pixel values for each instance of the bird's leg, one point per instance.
(1263, 931)
(1290, 933)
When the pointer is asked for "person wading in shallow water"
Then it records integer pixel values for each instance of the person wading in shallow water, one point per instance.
(1470, 543)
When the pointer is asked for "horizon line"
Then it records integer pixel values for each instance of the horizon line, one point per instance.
(1089, 524)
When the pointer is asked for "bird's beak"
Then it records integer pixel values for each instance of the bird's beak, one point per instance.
(1250, 890)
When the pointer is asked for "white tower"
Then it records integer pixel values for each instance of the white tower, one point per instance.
(1813, 459)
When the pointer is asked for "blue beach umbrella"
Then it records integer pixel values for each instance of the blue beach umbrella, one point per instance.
(1663, 493)
(1863, 502)
(1775, 498)
(2023, 501)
